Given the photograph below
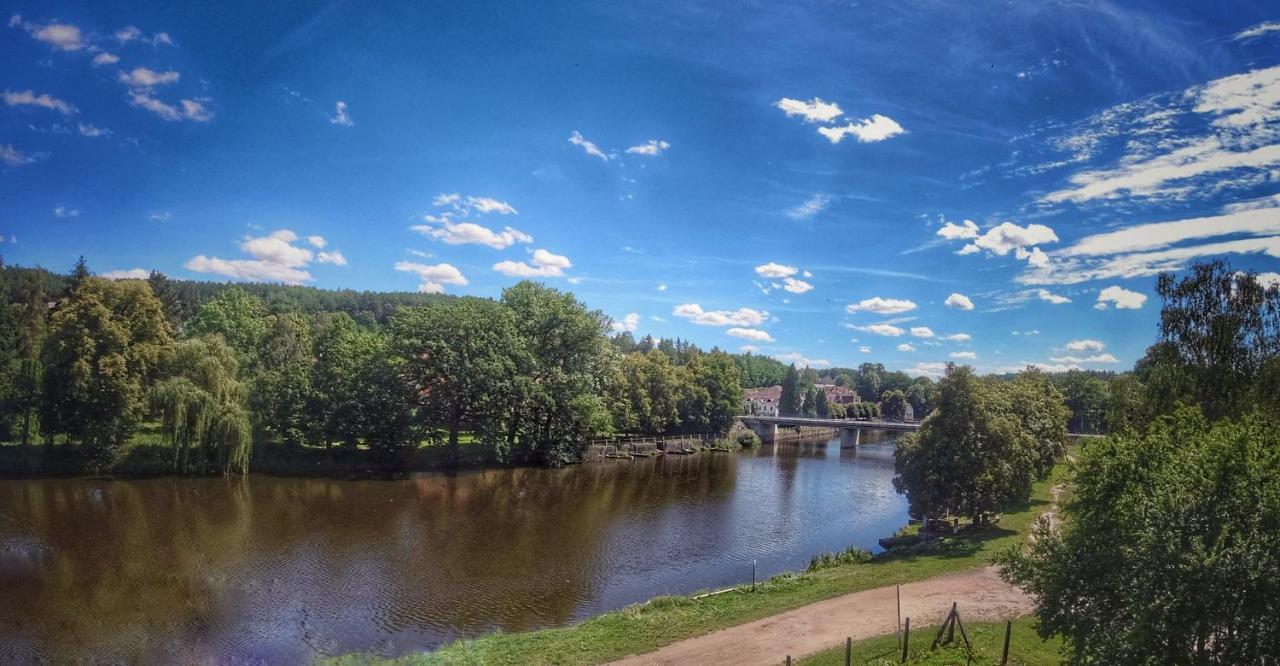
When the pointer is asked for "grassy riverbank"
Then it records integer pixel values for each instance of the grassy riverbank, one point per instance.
(1025, 648)
(645, 627)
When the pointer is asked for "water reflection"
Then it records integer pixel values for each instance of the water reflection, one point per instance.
(278, 569)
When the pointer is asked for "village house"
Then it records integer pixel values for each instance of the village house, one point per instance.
(761, 401)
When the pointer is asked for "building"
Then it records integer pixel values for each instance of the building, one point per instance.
(761, 401)
(839, 395)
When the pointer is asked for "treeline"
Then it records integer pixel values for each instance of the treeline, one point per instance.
(87, 363)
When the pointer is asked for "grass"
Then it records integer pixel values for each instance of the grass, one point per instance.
(1026, 648)
(648, 626)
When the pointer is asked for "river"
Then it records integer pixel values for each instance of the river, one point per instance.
(278, 569)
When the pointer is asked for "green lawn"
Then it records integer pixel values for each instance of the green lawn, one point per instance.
(1025, 648)
(664, 620)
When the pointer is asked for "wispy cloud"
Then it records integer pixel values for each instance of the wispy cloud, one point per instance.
(30, 98)
(740, 317)
(868, 130)
(810, 207)
(590, 148)
(649, 148)
(340, 116)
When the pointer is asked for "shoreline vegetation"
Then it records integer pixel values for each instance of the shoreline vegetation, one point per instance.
(647, 626)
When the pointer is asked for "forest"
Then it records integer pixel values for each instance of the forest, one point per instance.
(199, 377)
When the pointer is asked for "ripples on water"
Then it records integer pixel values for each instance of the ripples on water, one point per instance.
(282, 569)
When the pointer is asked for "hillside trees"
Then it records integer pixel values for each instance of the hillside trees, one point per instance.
(203, 408)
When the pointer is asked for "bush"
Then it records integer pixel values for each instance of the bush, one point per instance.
(850, 555)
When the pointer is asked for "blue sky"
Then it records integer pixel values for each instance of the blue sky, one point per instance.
(830, 183)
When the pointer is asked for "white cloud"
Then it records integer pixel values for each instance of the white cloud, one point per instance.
(274, 259)
(1096, 358)
(921, 332)
(796, 286)
(958, 337)
(29, 98)
(591, 149)
(13, 157)
(128, 34)
(433, 277)
(750, 334)
(1007, 236)
(544, 264)
(963, 355)
(143, 79)
(160, 216)
(187, 109)
(1148, 249)
(61, 36)
(881, 306)
(463, 233)
(649, 148)
(130, 274)
(802, 360)
(105, 58)
(906, 347)
(811, 206)
(888, 330)
(740, 317)
(1257, 30)
(484, 205)
(959, 302)
(813, 111)
(340, 116)
(864, 349)
(927, 369)
(335, 257)
(91, 131)
(1122, 298)
(1086, 345)
(1056, 299)
(316, 241)
(63, 212)
(1268, 280)
(953, 231)
(661, 287)
(868, 130)
(629, 323)
(775, 270)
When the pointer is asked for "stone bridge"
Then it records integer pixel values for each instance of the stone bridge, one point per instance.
(766, 427)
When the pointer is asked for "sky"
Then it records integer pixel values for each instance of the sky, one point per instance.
(991, 183)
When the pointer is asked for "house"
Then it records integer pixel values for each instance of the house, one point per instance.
(839, 395)
(761, 401)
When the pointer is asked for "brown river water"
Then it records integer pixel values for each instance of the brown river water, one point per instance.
(284, 570)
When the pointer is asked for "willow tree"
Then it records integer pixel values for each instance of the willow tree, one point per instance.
(202, 408)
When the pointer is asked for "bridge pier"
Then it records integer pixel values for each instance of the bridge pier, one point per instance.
(767, 432)
(850, 437)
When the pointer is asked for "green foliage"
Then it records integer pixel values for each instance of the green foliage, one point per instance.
(239, 318)
(758, 371)
(850, 555)
(1037, 404)
(792, 401)
(1170, 553)
(820, 406)
(106, 342)
(461, 356)
(282, 382)
(922, 394)
(973, 454)
(1126, 404)
(203, 409)
(894, 405)
(1086, 397)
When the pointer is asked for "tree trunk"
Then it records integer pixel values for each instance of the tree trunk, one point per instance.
(26, 429)
(452, 452)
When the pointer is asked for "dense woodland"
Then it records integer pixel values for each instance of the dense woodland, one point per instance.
(213, 370)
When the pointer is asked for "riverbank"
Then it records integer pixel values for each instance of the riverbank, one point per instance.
(1026, 648)
(662, 621)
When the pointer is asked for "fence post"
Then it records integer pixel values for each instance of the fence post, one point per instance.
(788, 660)
(1008, 629)
(906, 640)
(848, 651)
(899, 616)
(753, 575)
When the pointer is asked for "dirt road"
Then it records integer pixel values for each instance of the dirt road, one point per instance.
(982, 596)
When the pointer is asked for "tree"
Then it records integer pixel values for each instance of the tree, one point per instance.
(894, 405)
(239, 318)
(810, 406)
(921, 394)
(720, 377)
(868, 381)
(106, 343)
(1170, 551)
(558, 402)
(1219, 327)
(970, 457)
(460, 357)
(203, 408)
(1126, 404)
(1033, 399)
(1086, 397)
(651, 385)
(820, 404)
(282, 382)
(792, 401)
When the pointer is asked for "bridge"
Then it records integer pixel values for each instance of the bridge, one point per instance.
(766, 427)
